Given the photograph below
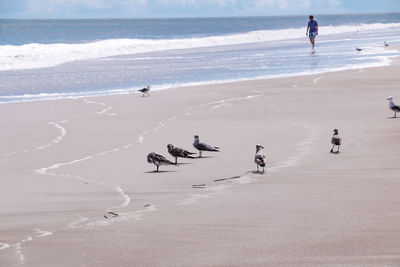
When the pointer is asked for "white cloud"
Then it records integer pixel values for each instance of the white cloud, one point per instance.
(226, 2)
(165, 8)
(281, 4)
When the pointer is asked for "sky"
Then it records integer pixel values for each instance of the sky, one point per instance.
(44, 9)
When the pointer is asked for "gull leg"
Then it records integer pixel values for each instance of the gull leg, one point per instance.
(200, 154)
(176, 160)
(332, 148)
(157, 168)
(258, 168)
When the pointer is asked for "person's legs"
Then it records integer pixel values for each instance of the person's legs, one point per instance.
(312, 38)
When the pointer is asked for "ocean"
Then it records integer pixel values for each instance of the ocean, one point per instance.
(53, 59)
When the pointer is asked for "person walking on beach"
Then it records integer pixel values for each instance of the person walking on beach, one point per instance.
(312, 30)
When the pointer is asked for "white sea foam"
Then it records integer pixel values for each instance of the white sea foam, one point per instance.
(78, 223)
(4, 246)
(104, 111)
(228, 102)
(303, 149)
(126, 198)
(47, 55)
(315, 81)
(41, 233)
(123, 216)
(58, 139)
(18, 249)
(383, 60)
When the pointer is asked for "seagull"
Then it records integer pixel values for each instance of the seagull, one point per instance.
(393, 106)
(358, 49)
(336, 140)
(179, 152)
(385, 44)
(260, 158)
(158, 160)
(145, 90)
(203, 147)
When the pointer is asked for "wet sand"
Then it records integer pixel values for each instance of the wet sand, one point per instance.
(66, 164)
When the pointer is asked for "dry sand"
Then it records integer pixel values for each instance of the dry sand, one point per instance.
(67, 163)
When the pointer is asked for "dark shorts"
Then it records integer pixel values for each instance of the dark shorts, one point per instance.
(312, 35)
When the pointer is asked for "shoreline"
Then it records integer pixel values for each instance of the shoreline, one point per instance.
(310, 208)
(112, 92)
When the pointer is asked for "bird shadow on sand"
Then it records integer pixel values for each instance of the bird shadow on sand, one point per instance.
(155, 172)
(390, 118)
(204, 157)
(335, 152)
(183, 163)
(257, 172)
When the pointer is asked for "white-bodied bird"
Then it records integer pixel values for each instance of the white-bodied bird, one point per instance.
(203, 147)
(393, 106)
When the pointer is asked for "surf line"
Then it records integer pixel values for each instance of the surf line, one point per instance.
(4, 246)
(248, 177)
(214, 105)
(228, 102)
(104, 111)
(18, 246)
(50, 170)
(161, 124)
(18, 249)
(57, 140)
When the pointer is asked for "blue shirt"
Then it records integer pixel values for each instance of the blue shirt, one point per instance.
(313, 25)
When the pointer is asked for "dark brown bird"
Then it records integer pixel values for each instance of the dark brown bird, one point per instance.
(178, 152)
(158, 160)
(336, 140)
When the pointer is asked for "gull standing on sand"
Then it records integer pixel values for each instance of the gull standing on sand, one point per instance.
(336, 140)
(393, 106)
(260, 158)
(178, 152)
(158, 160)
(145, 90)
(203, 147)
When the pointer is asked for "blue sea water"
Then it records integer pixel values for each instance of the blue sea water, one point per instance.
(43, 59)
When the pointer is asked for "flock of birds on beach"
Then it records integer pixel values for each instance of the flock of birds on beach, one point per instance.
(260, 157)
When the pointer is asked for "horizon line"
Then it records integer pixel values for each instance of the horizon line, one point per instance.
(200, 17)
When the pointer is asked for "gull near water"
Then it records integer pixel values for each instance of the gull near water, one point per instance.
(145, 90)
(203, 147)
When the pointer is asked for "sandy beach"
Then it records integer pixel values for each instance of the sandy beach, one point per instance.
(66, 164)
